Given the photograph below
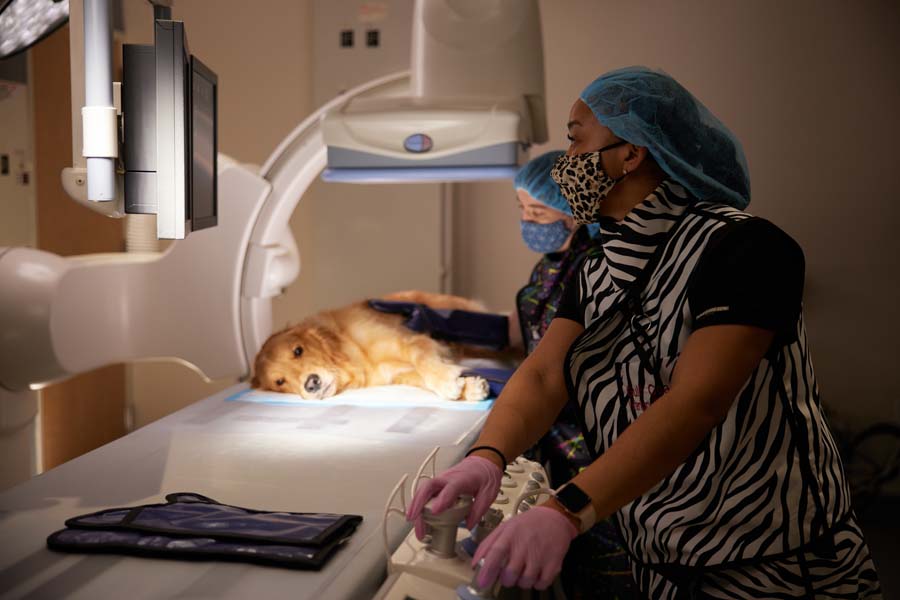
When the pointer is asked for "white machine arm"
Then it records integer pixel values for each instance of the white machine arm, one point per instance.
(106, 183)
(63, 316)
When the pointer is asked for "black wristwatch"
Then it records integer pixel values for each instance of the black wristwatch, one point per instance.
(578, 504)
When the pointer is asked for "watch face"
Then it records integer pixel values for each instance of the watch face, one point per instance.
(573, 498)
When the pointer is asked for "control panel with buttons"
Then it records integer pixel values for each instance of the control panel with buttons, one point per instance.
(442, 561)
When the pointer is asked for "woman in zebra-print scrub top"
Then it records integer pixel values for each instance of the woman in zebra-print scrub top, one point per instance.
(684, 347)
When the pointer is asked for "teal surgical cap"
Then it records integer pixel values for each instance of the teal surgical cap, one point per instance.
(535, 179)
(649, 108)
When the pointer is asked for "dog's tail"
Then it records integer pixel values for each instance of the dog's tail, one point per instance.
(437, 301)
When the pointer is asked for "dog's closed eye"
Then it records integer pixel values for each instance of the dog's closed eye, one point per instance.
(298, 351)
(279, 382)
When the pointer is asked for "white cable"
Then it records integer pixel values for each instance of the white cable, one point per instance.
(388, 510)
(430, 458)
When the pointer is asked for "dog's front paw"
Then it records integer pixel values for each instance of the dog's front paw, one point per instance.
(451, 389)
(475, 388)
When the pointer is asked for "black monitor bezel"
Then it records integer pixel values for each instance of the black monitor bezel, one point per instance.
(197, 67)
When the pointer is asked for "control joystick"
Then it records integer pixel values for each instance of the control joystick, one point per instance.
(443, 526)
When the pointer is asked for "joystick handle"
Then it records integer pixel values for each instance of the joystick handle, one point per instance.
(488, 523)
(443, 526)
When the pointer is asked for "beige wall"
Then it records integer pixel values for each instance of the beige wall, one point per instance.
(17, 216)
(262, 55)
(490, 262)
(810, 87)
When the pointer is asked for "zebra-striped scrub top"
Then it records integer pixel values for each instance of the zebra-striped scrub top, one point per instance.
(767, 480)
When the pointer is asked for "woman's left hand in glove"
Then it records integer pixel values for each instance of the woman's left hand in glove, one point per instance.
(526, 551)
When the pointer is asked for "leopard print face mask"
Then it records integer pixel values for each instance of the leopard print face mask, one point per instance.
(584, 183)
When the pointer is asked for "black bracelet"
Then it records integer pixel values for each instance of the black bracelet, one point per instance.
(492, 449)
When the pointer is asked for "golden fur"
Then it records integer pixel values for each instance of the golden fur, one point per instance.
(356, 346)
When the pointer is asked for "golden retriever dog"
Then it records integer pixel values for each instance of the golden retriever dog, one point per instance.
(357, 346)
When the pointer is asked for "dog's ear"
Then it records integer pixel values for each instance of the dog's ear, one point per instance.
(329, 337)
(330, 340)
(319, 328)
(254, 383)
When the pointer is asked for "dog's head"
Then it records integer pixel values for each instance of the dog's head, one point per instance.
(305, 359)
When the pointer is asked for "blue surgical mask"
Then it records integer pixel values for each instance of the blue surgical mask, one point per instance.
(545, 237)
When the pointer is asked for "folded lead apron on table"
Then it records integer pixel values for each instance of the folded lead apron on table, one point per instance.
(192, 526)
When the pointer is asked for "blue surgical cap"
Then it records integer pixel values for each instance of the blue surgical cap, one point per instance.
(649, 108)
(535, 179)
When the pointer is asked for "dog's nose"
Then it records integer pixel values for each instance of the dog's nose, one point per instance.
(313, 383)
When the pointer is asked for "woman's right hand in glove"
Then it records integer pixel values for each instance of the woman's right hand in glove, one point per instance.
(474, 476)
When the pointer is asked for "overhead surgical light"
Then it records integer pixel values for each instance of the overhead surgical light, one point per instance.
(23, 23)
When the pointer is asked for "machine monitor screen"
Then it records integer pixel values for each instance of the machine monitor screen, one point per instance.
(203, 136)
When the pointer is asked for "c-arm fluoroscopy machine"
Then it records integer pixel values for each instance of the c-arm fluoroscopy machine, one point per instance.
(467, 110)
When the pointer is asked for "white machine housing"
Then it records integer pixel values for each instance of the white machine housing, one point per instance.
(475, 105)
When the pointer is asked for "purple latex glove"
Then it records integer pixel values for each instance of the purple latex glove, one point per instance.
(526, 551)
(473, 475)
